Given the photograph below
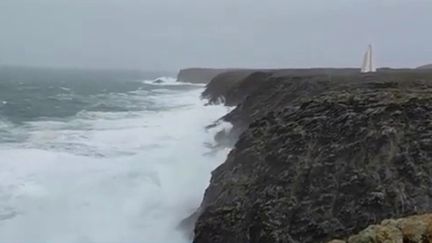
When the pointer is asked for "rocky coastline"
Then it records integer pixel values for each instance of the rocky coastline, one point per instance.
(319, 154)
(198, 75)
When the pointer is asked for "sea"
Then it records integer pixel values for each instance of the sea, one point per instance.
(102, 156)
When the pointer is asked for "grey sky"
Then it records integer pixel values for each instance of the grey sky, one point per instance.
(171, 34)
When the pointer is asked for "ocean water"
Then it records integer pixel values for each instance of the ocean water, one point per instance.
(99, 160)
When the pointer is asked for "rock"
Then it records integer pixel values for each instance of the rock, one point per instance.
(255, 92)
(414, 229)
(322, 157)
(218, 88)
(378, 233)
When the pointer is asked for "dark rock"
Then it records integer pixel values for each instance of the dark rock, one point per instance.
(320, 157)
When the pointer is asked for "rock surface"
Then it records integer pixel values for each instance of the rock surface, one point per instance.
(414, 229)
(254, 93)
(320, 156)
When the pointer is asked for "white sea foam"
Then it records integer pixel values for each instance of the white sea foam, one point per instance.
(170, 81)
(109, 177)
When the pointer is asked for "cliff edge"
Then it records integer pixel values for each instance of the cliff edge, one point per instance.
(320, 156)
(198, 75)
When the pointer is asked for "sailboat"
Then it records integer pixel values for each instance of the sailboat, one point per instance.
(368, 66)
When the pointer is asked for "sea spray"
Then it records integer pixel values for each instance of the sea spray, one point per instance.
(128, 170)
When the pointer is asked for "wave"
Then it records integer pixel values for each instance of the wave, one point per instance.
(170, 81)
(104, 176)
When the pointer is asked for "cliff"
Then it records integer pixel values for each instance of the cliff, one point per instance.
(198, 75)
(321, 154)
(428, 66)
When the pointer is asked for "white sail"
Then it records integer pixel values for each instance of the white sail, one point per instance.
(368, 66)
(365, 65)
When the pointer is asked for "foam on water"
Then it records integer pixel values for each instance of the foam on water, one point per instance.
(169, 81)
(109, 176)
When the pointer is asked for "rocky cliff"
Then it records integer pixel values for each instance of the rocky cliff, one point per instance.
(198, 75)
(321, 154)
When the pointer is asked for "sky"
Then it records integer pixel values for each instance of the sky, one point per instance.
(173, 34)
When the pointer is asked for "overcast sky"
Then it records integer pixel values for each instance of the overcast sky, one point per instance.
(171, 34)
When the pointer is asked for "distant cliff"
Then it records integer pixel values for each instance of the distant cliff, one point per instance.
(321, 154)
(198, 75)
(428, 66)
